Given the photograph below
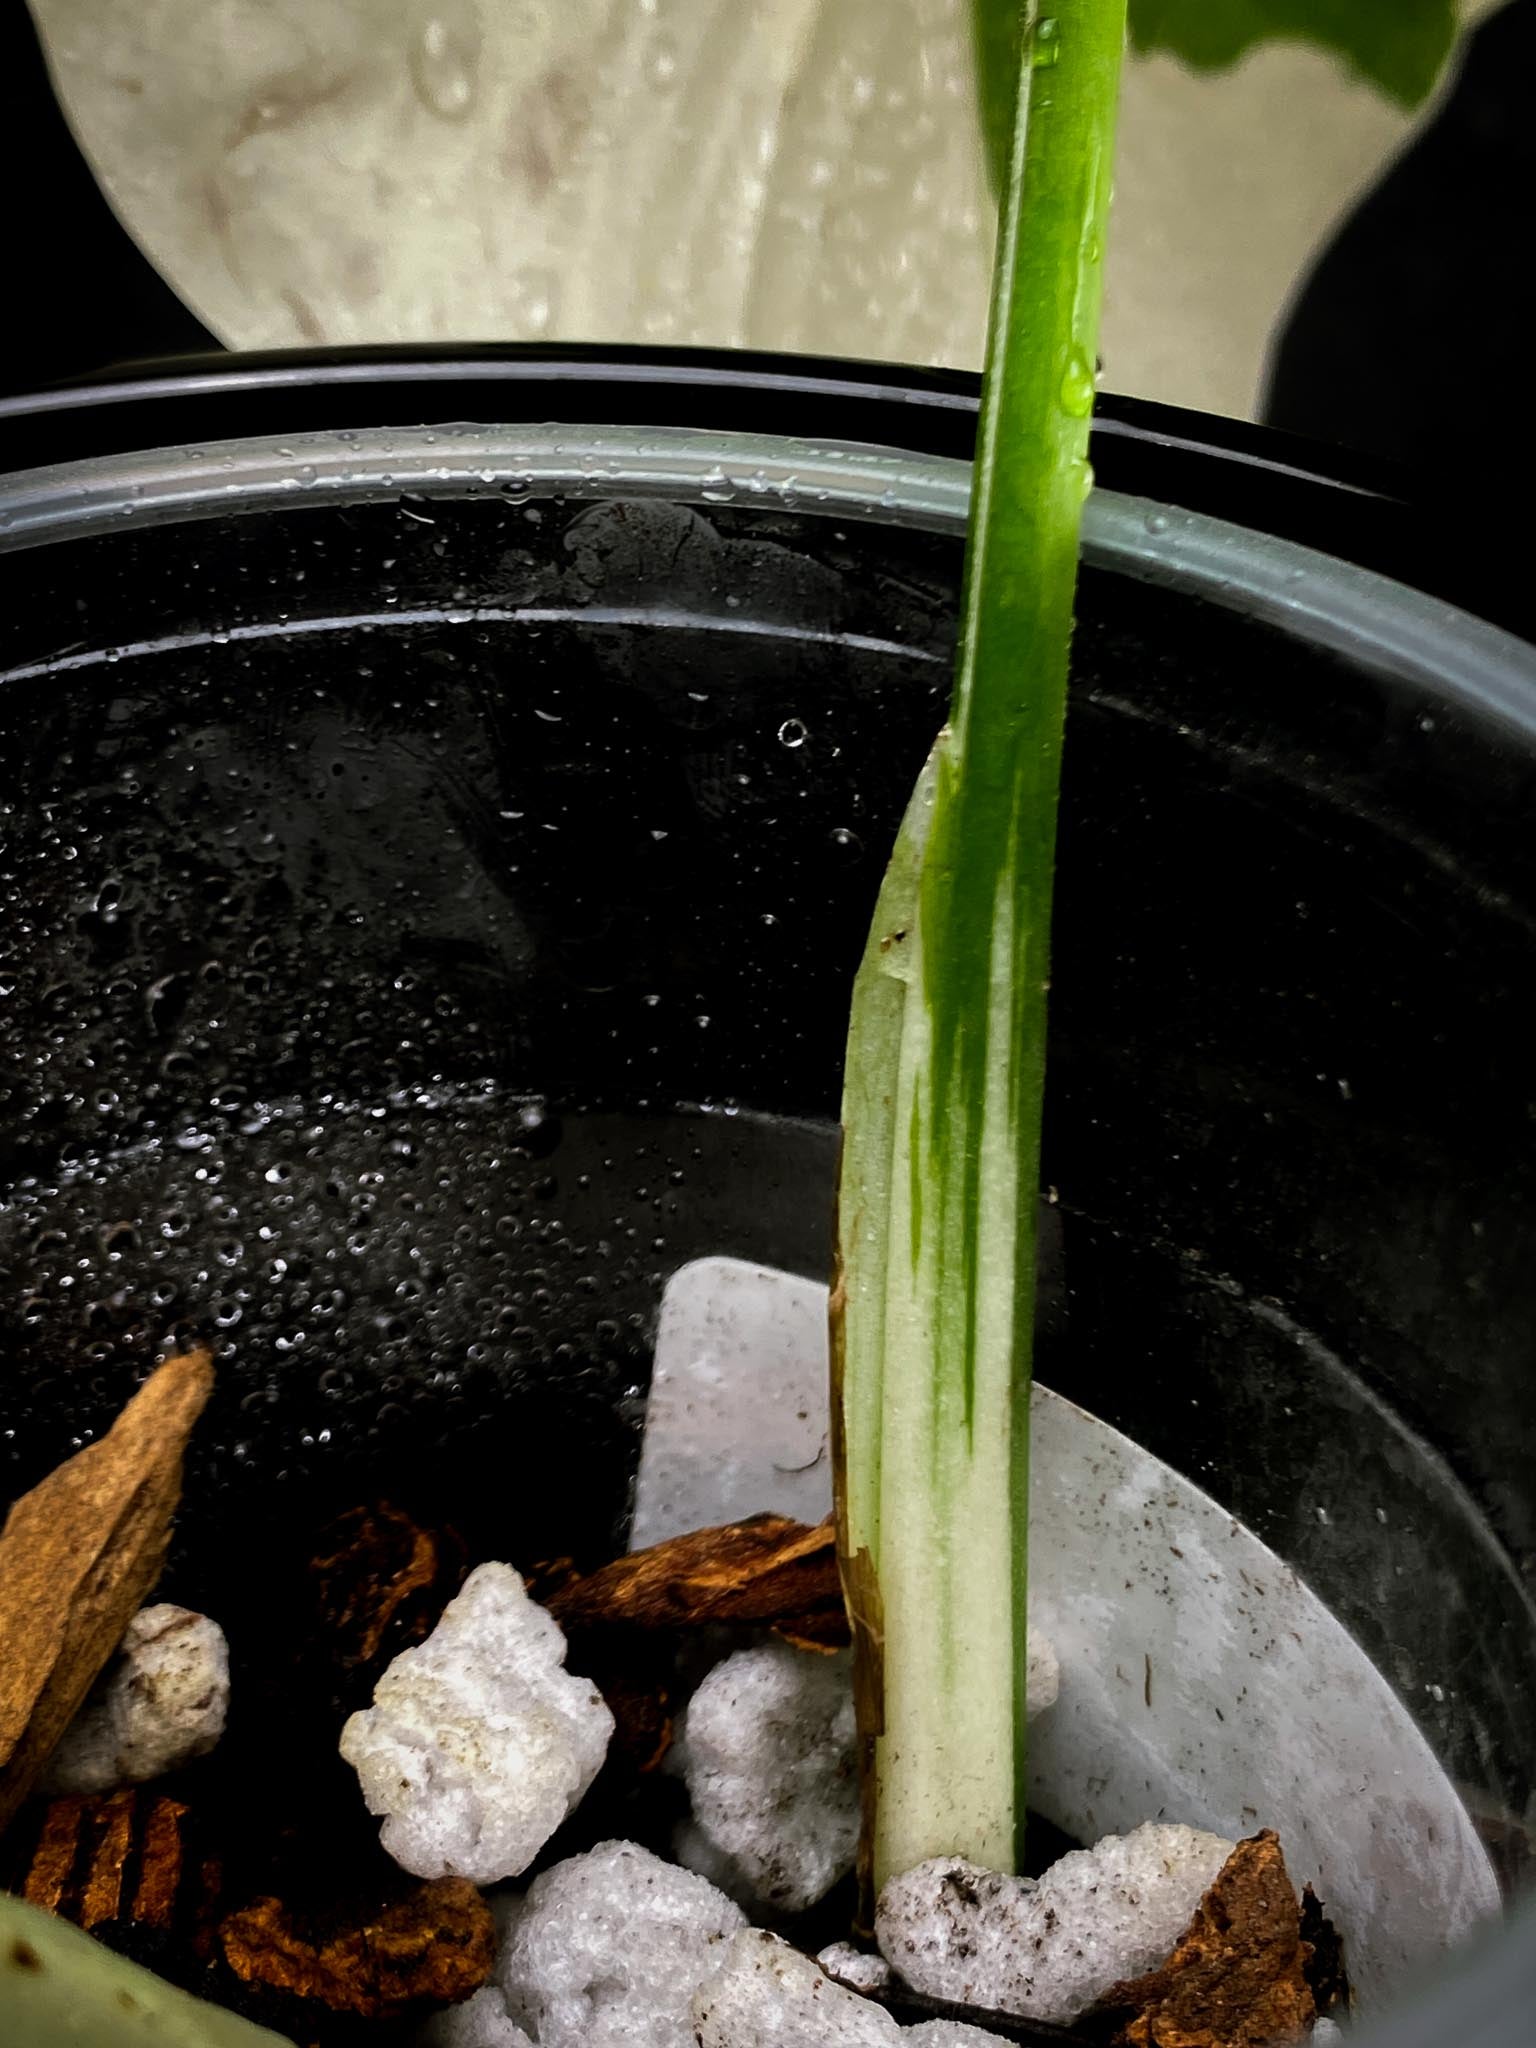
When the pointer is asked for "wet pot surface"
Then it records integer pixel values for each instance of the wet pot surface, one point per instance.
(427, 917)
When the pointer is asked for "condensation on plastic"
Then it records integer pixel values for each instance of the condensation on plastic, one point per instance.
(1371, 619)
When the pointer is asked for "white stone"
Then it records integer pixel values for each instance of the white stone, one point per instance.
(767, 1747)
(1326, 2033)
(159, 1705)
(608, 1949)
(1047, 1951)
(856, 1969)
(479, 1743)
(480, 2022)
(766, 1994)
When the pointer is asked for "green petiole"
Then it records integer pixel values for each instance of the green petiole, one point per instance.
(933, 1314)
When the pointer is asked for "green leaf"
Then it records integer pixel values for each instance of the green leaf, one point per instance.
(1399, 45)
(933, 1317)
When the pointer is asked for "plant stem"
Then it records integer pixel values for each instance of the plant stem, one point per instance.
(933, 1314)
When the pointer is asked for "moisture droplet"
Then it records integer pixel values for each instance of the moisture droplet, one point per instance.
(1077, 385)
(444, 59)
(1157, 522)
(1045, 49)
(661, 60)
(792, 733)
(847, 843)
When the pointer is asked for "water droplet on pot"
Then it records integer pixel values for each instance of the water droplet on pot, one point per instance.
(444, 60)
(792, 733)
(661, 61)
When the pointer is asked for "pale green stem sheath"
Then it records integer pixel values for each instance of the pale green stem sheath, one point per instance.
(61, 1989)
(934, 1309)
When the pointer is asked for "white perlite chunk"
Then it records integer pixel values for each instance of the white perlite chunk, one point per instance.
(950, 2034)
(479, 1743)
(608, 1949)
(767, 1995)
(159, 1705)
(856, 1968)
(480, 2022)
(1047, 1951)
(768, 1749)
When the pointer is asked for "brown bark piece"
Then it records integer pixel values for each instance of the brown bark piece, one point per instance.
(54, 1859)
(102, 1898)
(433, 1947)
(637, 1678)
(78, 1556)
(381, 1583)
(1326, 1974)
(1237, 1978)
(767, 1572)
(160, 1863)
(115, 1856)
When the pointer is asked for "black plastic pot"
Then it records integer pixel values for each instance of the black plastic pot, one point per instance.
(435, 859)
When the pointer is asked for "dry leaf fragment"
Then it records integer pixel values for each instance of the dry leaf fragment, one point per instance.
(1237, 1978)
(78, 1556)
(432, 1947)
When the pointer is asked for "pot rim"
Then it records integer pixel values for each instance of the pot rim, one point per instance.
(1372, 620)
